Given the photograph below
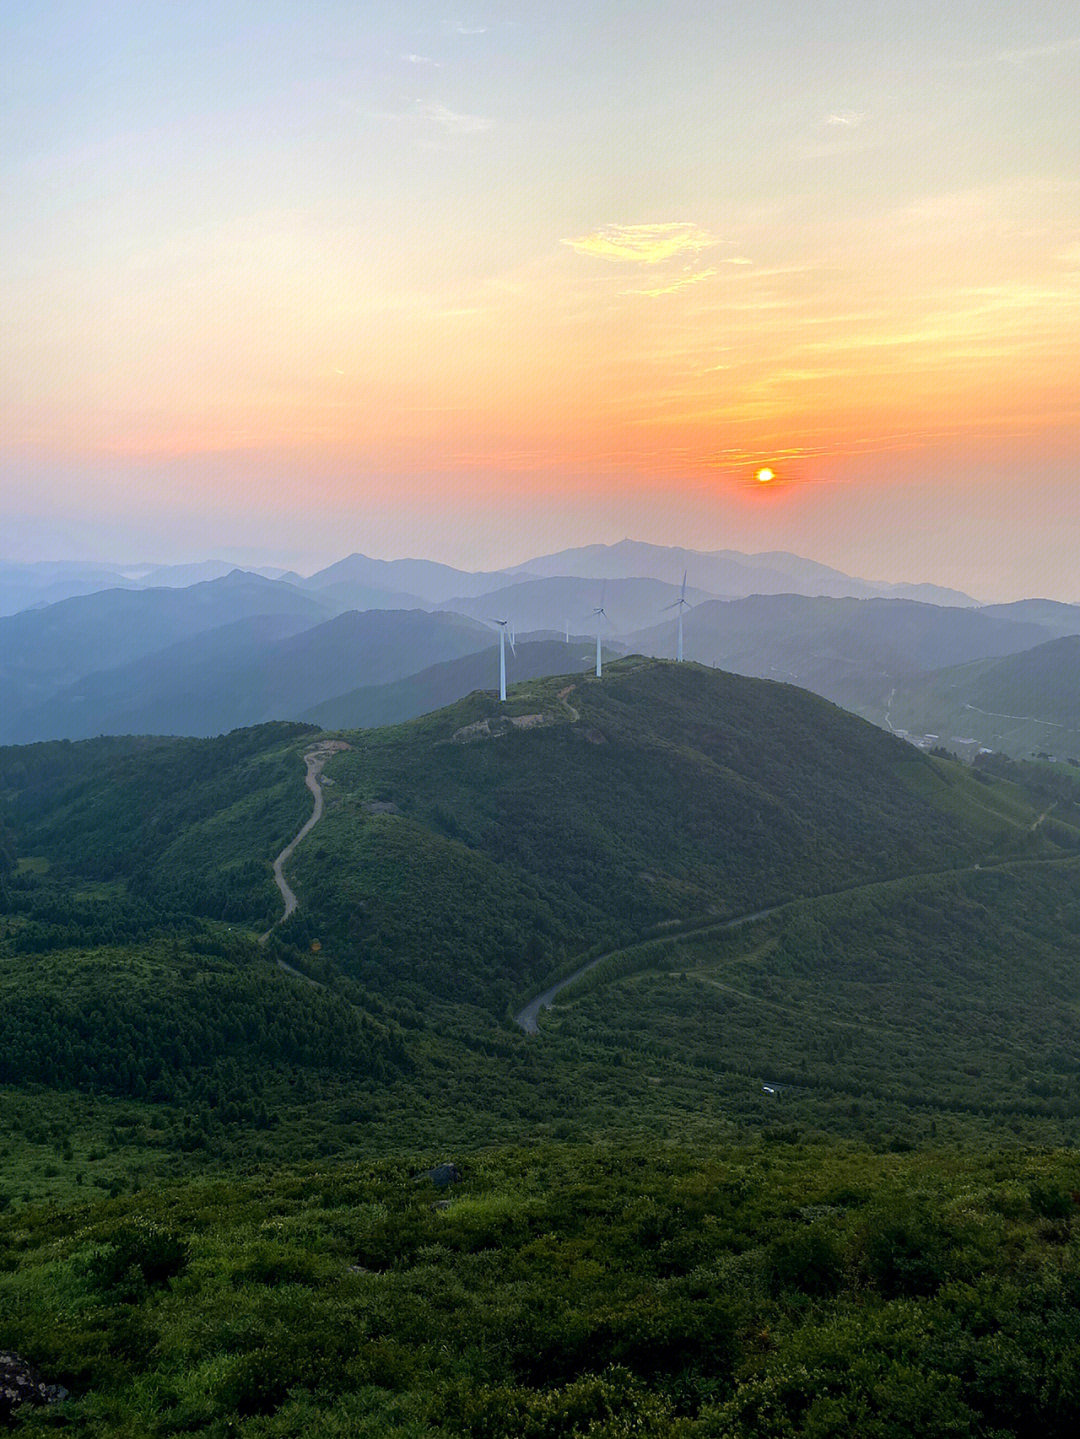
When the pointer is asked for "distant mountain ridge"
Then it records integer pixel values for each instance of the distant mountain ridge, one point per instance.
(43, 651)
(253, 670)
(729, 573)
(849, 650)
(442, 684)
(200, 658)
(361, 582)
(560, 602)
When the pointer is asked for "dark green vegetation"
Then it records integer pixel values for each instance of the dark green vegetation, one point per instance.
(759, 1292)
(187, 825)
(468, 863)
(813, 1176)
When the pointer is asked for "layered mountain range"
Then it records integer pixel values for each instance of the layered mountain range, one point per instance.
(191, 650)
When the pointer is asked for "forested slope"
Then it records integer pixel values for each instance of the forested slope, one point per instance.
(468, 854)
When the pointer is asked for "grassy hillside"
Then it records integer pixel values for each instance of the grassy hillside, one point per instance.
(468, 855)
(1025, 703)
(188, 825)
(912, 1008)
(792, 1180)
(443, 684)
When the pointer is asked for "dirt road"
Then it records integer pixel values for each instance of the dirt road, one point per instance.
(315, 758)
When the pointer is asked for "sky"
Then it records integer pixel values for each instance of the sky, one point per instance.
(474, 282)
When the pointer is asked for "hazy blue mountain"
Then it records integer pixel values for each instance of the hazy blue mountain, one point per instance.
(728, 573)
(812, 578)
(44, 651)
(557, 602)
(434, 583)
(355, 595)
(180, 690)
(262, 668)
(23, 586)
(851, 651)
(452, 680)
(30, 586)
(179, 576)
(1056, 618)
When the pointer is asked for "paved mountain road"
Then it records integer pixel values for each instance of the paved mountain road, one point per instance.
(528, 1016)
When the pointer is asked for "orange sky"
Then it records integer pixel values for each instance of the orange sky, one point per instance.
(308, 279)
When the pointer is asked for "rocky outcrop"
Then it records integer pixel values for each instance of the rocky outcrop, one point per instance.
(443, 1175)
(21, 1384)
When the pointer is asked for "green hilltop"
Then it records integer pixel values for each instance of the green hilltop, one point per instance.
(473, 850)
(781, 1178)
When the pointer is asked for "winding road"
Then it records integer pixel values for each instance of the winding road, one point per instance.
(528, 1016)
(314, 759)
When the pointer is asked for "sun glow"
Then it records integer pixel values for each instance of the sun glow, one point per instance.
(764, 475)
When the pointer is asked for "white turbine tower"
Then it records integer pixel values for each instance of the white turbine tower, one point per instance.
(502, 655)
(601, 614)
(680, 604)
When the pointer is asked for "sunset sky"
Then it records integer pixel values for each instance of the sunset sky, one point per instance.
(287, 280)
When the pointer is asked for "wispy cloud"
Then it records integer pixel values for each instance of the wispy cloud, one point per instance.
(643, 244)
(1027, 54)
(679, 284)
(852, 119)
(451, 121)
(431, 112)
(462, 27)
(422, 60)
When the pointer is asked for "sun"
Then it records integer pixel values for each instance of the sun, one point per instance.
(764, 475)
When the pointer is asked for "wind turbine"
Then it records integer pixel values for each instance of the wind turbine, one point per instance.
(680, 604)
(502, 655)
(601, 614)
